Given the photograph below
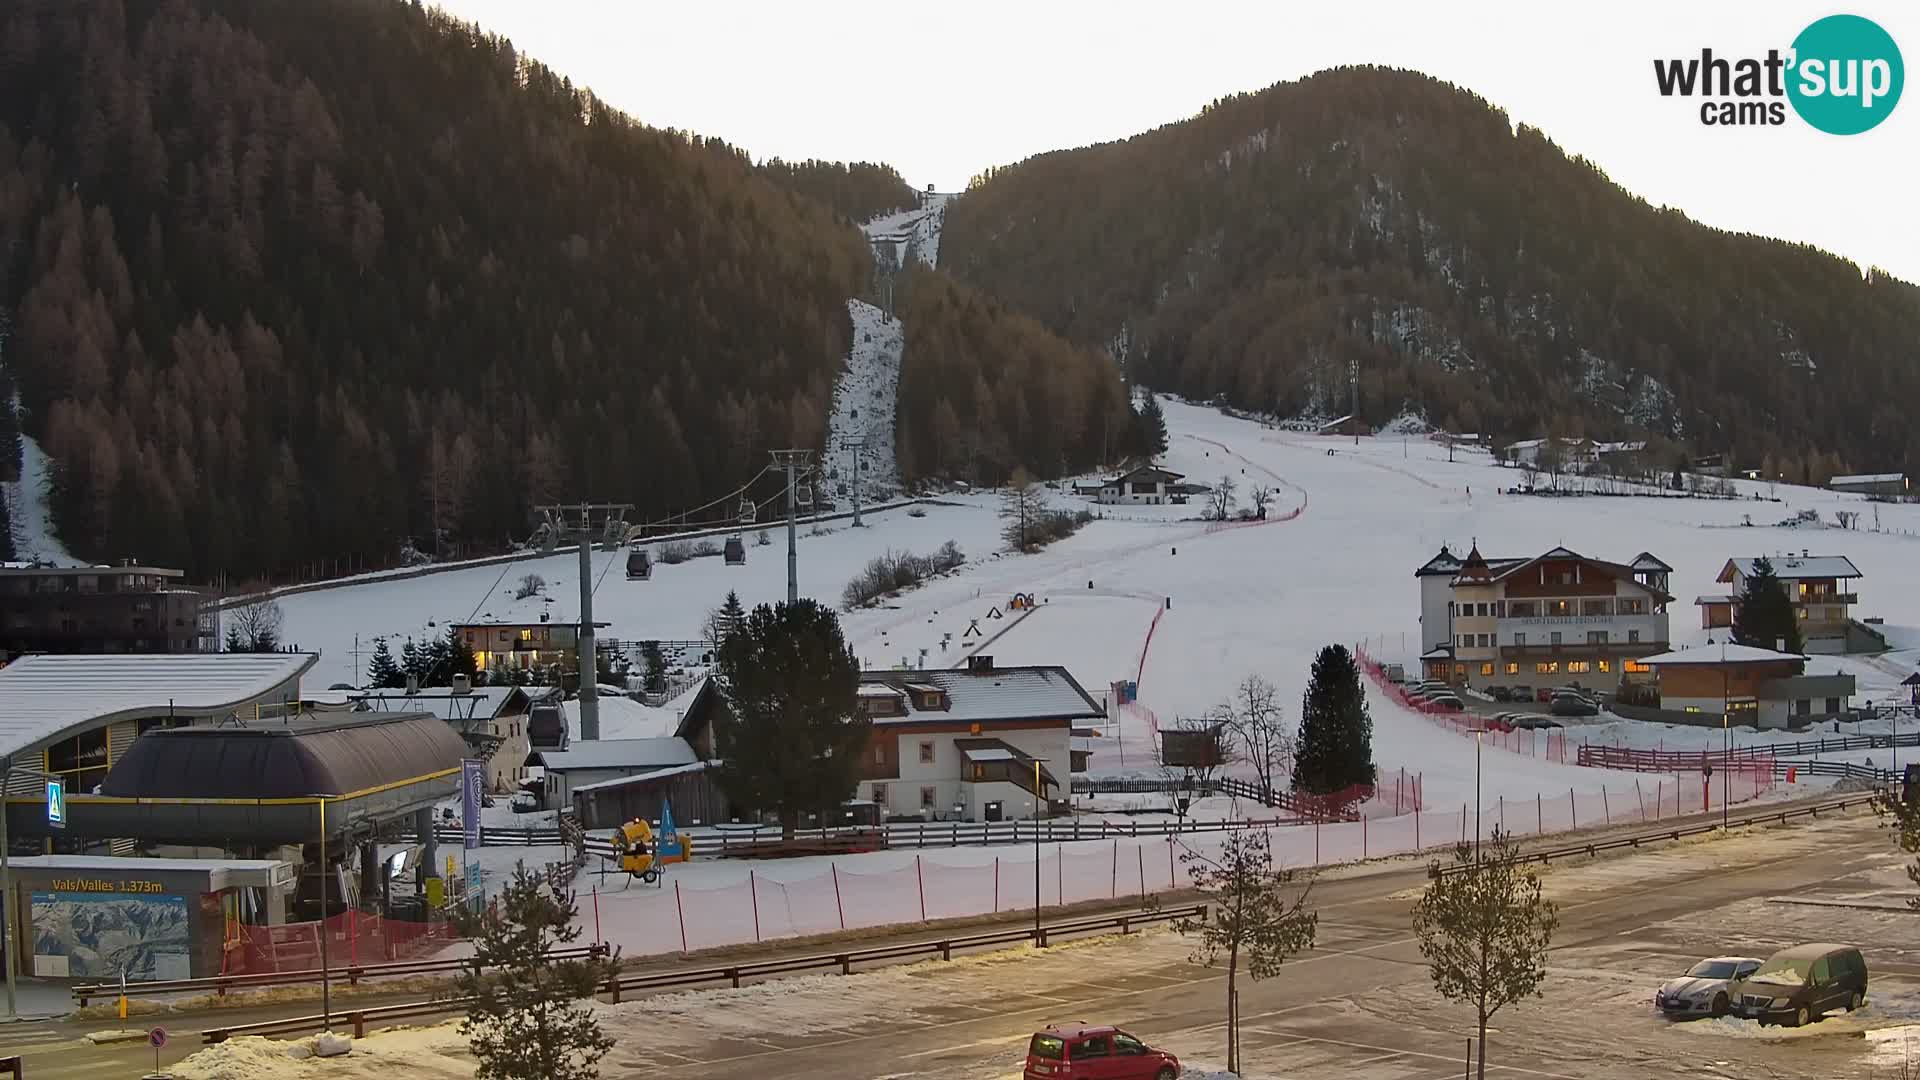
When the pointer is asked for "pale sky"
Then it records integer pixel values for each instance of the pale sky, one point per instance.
(941, 91)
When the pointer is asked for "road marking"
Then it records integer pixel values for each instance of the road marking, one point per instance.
(1391, 1052)
(1001, 1041)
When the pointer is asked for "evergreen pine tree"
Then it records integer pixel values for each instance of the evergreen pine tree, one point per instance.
(1151, 435)
(1336, 731)
(656, 661)
(459, 656)
(732, 614)
(7, 549)
(791, 737)
(414, 662)
(233, 641)
(383, 673)
(1766, 617)
(530, 1016)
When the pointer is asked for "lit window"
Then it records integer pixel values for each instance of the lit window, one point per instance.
(1606, 666)
(1635, 667)
(1546, 667)
(1513, 668)
(1578, 667)
(1486, 669)
(1460, 671)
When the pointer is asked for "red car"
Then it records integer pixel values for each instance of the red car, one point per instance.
(1094, 1052)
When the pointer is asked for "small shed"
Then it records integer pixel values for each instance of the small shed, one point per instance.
(591, 762)
(695, 798)
(1887, 485)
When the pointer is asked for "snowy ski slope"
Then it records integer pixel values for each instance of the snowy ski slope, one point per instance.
(863, 408)
(1247, 599)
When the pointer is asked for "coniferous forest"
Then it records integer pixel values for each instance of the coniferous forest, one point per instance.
(984, 389)
(297, 281)
(1473, 271)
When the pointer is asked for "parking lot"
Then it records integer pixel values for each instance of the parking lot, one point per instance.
(1360, 1006)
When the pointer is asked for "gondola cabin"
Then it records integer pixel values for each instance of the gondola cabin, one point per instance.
(639, 565)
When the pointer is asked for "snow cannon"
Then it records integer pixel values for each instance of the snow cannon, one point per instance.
(633, 848)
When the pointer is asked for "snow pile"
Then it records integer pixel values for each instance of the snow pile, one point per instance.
(863, 408)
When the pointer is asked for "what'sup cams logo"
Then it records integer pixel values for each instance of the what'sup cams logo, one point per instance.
(1843, 75)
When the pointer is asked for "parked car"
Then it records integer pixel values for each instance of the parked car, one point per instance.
(1709, 987)
(1543, 695)
(1500, 693)
(1395, 673)
(1095, 1052)
(1535, 722)
(1800, 985)
(1448, 702)
(1570, 704)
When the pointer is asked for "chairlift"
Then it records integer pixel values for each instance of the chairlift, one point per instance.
(747, 511)
(803, 494)
(639, 565)
(736, 551)
(549, 537)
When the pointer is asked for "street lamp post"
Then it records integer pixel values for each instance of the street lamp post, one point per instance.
(1726, 754)
(326, 980)
(1038, 940)
(1476, 795)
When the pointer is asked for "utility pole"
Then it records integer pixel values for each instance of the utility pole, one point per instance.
(793, 461)
(613, 518)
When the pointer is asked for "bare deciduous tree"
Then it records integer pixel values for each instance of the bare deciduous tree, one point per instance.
(1261, 496)
(1220, 503)
(1256, 723)
(254, 627)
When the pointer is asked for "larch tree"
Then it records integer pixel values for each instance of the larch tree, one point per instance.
(1485, 930)
(1257, 915)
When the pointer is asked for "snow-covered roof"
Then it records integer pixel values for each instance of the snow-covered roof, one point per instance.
(1868, 478)
(481, 702)
(617, 754)
(1647, 560)
(1723, 653)
(1715, 598)
(1791, 567)
(645, 777)
(50, 697)
(1444, 563)
(1006, 693)
(877, 690)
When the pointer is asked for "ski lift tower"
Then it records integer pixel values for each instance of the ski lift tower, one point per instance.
(857, 444)
(582, 522)
(795, 462)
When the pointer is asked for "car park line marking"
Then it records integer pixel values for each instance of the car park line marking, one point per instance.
(1002, 1040)
(1389, 1051)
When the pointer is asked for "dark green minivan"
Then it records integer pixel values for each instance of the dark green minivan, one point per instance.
(1800, 985)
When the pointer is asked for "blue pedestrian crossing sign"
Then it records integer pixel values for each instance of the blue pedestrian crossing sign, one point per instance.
(57, 804)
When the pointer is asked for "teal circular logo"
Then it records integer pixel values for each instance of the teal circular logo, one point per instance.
(1846, 75)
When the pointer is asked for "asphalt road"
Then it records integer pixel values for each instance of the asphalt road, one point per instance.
(1359, 1006)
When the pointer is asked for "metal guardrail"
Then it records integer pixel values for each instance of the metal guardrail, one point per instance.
(732, 974)
(1593, 847)
(352, 974)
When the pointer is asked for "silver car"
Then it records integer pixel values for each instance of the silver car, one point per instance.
(1707, 988)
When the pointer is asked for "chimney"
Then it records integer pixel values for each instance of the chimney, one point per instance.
(979, 663)
(462, 684)
(413, 684)
(1780, 644)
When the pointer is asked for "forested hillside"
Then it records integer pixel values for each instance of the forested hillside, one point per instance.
(295, 280)
(984, 388)
(859, 191)
(1472, 269)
